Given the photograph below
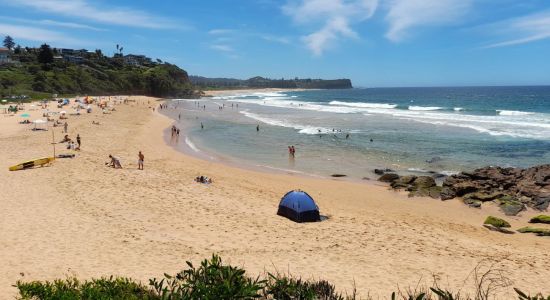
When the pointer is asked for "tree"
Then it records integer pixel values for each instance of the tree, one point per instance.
(8, 42)
(45, 54)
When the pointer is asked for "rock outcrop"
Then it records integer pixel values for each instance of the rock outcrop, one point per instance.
(512, 189)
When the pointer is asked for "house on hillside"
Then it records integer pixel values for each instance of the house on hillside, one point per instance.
(73, 59)
(137, 60)
(4, 56)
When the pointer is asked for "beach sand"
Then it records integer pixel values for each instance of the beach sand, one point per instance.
(79, 217)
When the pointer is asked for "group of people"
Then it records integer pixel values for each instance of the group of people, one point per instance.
(291, 151)
(175, 131)
(203, 179)
(71, 145)
(115, 161)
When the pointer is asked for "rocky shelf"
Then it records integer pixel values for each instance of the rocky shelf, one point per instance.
(513, 189)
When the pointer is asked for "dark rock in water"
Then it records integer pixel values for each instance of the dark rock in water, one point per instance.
(433, 159)
(382, 171)
(388, 177)
(338, 175)
(438, 175)
(365, 178)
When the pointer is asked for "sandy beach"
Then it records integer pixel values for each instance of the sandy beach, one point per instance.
(79, 217)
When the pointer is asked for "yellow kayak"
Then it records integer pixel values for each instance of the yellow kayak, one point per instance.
(32, 163)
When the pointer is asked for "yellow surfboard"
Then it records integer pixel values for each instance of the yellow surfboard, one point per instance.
(32, 163)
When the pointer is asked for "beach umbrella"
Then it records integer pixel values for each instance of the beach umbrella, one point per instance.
(62, 112)
(25, 115)
(39, 121)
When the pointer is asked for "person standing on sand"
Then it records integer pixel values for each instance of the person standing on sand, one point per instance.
(179, 116)
(65, 127)
(78, 140)
(141, 158)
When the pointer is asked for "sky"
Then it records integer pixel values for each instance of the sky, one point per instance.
(375, 43)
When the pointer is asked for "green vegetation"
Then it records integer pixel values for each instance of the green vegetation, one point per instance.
(41, 72)
(496, 222)
(537, 231)
(214, 280)
(540, 219)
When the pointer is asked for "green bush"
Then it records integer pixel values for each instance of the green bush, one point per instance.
(212, 280)
(96, 289)
(537, 231)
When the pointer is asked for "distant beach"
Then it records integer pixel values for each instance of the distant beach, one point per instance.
(80, 217)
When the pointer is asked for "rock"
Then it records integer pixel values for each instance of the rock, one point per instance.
(424, 182)
(382, 171)
(365, 178)
(483, 196)
(338, 175)
(433, 159)
(403, 182)
(388, 177)
(511, 207)
(496, 222)
(540, 219)
(537, 231)
(447, 193)
(472, 203)
(503, 230)
(541, 202)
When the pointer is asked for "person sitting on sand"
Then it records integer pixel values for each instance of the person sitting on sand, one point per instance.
(65, 139)
(203, 179)
(115, 162)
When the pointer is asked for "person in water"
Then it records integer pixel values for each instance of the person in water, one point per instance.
(258, 127)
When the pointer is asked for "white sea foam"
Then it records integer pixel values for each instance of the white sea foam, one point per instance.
(458, 109)
(283, 123)
(191, 145)
(425, 108)
(363, 105)
(513, 113)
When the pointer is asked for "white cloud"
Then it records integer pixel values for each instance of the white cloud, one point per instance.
(52, 23)
(223, 48)
(38, 35)
(87, 11)
(334, 16)
(406, 14)
(220, 31)
(522, 30)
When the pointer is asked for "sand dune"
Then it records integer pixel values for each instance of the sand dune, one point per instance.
(80, 217)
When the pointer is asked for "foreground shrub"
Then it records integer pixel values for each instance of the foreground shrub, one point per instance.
(497, 222)
(212, 280)
(287, 288)
(537, 231)
(96, 289)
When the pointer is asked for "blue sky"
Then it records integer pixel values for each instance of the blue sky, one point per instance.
(373, 42)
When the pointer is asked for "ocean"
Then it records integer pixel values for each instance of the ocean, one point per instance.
(351, 132)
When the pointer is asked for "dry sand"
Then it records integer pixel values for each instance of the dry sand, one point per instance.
(80, 217)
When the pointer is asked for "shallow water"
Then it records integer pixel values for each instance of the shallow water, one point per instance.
(415, 130)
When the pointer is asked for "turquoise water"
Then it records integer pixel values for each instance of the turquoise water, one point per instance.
(411, 130)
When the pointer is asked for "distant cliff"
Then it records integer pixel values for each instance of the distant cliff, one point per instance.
(261, 82)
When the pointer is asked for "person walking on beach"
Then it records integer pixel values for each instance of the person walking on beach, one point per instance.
(202, 126)
(179, 116)
(293, 151)
(65, 127)
(78, 140)
(141, 158)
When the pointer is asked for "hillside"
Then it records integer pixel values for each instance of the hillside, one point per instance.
(261, 82)
(44, 71)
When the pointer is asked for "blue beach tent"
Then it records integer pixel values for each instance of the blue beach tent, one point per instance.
(299, 207)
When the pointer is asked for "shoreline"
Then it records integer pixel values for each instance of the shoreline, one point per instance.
(94, 221)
